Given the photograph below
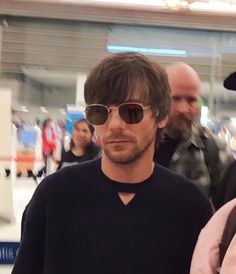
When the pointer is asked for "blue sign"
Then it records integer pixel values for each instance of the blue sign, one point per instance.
(8, 252)
(72, 117)
(27, 137)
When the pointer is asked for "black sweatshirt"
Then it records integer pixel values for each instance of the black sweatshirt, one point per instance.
(77, 224)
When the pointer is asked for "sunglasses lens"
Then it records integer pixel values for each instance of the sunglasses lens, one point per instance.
(131, 113)
(96, 115)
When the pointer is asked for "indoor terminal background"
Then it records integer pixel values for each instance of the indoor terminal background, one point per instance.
(48, 47)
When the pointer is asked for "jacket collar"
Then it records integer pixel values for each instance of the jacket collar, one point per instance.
(197, 134)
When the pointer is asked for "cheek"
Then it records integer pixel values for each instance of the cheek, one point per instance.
(195, 110)
(147, 129)
(89, 137)
(173, 109)
(173, 104)
(74, 135)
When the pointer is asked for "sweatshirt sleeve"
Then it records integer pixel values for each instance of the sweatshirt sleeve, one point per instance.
(30, 258)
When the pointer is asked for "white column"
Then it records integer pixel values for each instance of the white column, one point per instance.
(6, 156)
(79, 97)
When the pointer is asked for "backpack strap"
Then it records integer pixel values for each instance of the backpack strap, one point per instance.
(211, 154)
(212, 159)
(228, 234)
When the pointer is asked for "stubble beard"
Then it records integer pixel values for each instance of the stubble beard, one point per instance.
(129, 156)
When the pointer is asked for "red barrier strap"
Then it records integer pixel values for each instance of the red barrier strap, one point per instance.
(21, 158)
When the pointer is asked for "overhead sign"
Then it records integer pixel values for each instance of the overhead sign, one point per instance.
(8, 252)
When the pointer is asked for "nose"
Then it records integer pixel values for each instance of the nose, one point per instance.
(183, 106)
(114, 122)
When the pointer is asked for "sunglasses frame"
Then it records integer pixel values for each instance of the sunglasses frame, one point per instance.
(117, 107)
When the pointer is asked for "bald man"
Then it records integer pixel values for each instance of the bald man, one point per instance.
(188, 148)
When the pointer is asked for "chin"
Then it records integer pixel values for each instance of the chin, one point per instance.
(120, 157)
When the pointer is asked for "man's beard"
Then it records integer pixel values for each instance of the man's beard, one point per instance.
(179, 128)
(129, 156)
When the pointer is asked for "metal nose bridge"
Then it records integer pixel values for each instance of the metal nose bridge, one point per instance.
(109, 110)
(115, 121)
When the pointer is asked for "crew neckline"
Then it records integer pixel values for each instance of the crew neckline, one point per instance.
(128, 187)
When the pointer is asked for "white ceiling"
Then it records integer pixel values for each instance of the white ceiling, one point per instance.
(52, 52)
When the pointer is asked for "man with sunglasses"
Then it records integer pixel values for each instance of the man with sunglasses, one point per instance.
(120, 214)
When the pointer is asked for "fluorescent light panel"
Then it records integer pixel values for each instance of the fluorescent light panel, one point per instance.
(43, 109)
(62, 111)
(227, 6)
(150, 51)
(24, 109)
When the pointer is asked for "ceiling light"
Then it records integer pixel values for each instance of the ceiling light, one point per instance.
(62, 111)
(150, 51)
(24, 109)
(213, 6)
(43, 109)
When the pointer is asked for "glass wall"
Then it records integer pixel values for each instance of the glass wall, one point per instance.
(41, 60)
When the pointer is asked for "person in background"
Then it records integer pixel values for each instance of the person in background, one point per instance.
(227, 188)
(120, 213)
(82, 148)
(62, 138)
(48, 143)
(211, 254)
(187, 147)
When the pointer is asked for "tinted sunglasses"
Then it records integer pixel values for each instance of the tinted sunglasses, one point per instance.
(130, 113)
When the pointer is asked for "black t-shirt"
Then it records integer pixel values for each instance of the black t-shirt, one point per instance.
(77, 224)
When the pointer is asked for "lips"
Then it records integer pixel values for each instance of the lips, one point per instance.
(117, 141)
(117, 138)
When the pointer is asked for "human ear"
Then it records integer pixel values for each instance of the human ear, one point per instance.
(162, 123)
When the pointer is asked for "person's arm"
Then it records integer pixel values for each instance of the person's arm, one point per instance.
(229, 263)
(30, 258)
(204, 217)
(206, 254)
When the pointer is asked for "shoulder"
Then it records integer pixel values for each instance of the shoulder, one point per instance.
(66, 154)
(225, 153)
(215, 138)
(179, 187)
(69, 179)
(216, 143)
(171, 178)
(183, 197)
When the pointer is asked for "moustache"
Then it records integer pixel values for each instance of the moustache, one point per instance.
(182, 118)
(117, 136)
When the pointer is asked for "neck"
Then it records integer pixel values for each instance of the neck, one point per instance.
(134, 172)
(77, 151)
